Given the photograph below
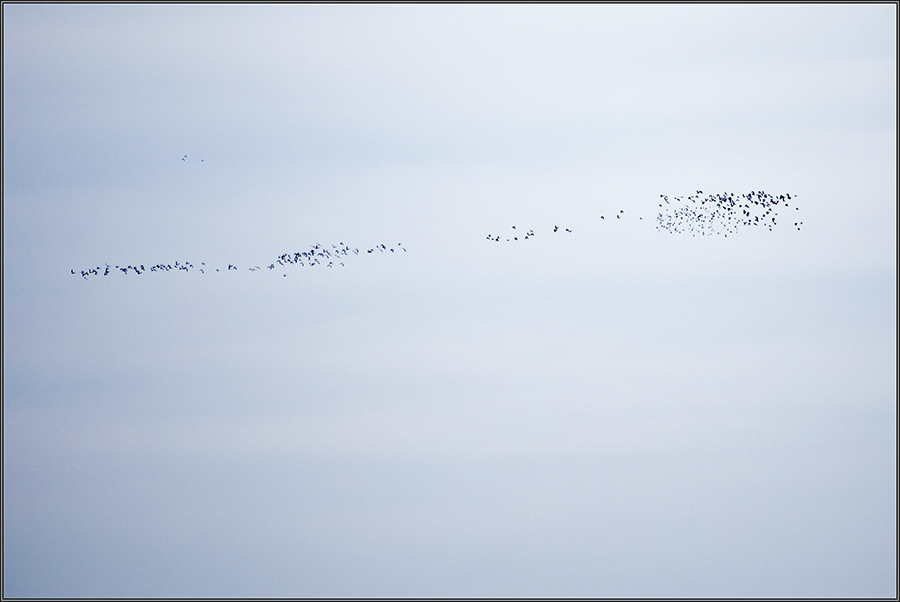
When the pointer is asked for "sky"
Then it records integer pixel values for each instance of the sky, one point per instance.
(609, 409)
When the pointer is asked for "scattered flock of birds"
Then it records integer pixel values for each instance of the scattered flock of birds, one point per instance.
(514, 236)
(714, 214)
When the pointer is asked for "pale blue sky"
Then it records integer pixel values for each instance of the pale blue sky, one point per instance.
(612, 412)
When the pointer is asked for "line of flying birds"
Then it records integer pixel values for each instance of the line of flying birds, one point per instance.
(317, 255)
(712, 214)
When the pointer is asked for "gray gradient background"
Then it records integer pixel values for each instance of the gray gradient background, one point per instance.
(617, 412)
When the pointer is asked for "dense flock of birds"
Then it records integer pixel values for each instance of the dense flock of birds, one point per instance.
(714, 214)
(333, 256)
(721, 213)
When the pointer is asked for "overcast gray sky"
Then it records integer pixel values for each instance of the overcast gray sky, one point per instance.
(611, 411)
